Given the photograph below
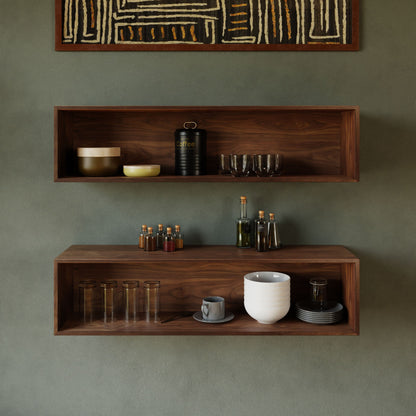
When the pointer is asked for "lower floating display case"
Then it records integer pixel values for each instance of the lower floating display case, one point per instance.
(188, 275)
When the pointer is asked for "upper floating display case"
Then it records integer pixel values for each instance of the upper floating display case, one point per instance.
(318, 143)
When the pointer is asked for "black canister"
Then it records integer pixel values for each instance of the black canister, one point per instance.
(190, 150)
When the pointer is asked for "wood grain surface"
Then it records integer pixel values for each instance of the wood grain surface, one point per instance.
(196, 272)
(317, 143)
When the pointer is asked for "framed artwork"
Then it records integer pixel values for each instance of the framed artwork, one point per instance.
(206, 25)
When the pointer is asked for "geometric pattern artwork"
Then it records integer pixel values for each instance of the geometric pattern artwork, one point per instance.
(206, 24)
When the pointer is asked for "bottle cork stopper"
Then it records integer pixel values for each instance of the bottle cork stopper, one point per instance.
(169, 230)
(160, 227)
(177, 227)
(150, 229)
(271, 215)
(144, 227)
(261, 214)
(243, 199)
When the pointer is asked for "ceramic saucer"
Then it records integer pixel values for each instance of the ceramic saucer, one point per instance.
(198, 317)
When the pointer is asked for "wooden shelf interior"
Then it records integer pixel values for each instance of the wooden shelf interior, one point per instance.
(314, 141)
(185, 282)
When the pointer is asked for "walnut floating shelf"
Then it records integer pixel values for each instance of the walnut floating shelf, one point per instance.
(187, 276)
(319, 144)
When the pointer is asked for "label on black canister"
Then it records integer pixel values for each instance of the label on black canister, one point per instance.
(190, 150)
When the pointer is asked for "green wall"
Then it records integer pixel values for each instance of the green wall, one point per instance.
(373, 374)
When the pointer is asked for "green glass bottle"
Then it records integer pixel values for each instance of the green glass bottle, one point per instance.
(261, 232)
(243, 226)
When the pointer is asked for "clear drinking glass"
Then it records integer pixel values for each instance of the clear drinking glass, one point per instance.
(87, 290)
(240, 165)
(131, 300)
(109, 292)
(151, 299)
(319, 293)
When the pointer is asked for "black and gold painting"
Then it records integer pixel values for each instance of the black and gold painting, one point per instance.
(207, 24)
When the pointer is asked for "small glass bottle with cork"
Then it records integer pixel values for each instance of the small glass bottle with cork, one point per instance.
(243, 226)
(261, 234)
(160, 237)
(178, 238)
(142, 235)
(150, 240)
(273, 231)
(169, 243)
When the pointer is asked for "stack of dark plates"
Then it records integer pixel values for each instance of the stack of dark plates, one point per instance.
(333, 313)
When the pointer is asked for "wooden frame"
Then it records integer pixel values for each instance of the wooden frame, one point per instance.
(187, 276)
(277, 24)
(318, 143)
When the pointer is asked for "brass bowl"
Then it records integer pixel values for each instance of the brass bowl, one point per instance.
(99, 161)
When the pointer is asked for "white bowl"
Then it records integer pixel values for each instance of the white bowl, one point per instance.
(265, 315)
(141, 170)
(267, 296)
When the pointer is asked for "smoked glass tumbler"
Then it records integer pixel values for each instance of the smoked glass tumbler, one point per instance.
(263, 165)
(319, 293)
(151, 299)
(87, 300)
(224, 164)
(130, 300)
(240, 165)
(278, 164)
(109, 292)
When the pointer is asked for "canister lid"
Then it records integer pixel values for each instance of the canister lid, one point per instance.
(190, 128)
(98, 151)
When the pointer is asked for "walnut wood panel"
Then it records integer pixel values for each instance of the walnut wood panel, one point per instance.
(351, 292)
(201, 278)
(63, 293)
(317, 143)
(241, 325)
(226, 253)
(202, 271)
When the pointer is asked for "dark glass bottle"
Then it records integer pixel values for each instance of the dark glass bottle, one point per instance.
(142, 235)
(274, 238)
(149, 240)
(261, 235)
(243, 226)
(169, 243)
(160, 237)
(178, 238)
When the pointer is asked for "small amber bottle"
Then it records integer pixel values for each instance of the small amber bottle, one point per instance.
(169, 243)
(149, 240)
(178, 238)
(160, 237)
(142, 235)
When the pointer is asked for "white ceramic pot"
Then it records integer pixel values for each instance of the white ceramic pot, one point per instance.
(267, 296)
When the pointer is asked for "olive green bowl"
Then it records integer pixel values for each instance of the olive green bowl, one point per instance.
(99, 161)
(136, 171)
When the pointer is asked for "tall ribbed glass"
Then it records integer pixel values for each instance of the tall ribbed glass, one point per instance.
(151, 300)
(131, 301)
